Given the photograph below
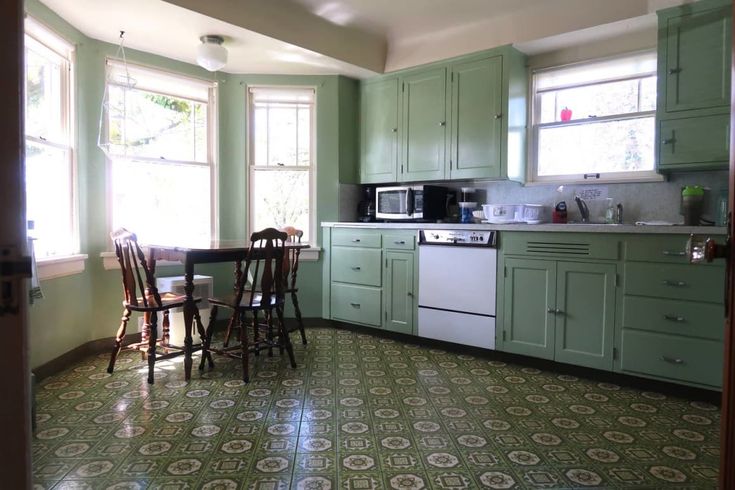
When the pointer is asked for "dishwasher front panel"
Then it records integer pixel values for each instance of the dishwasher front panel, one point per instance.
(458, 278)
(458, 328)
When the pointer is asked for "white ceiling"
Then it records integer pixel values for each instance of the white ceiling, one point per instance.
(353, 37)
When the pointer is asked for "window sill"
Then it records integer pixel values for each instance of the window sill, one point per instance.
(54, 267)
(109, 262)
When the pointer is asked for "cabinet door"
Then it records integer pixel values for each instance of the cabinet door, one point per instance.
(424, 128)
(379, 131)
(585, 299)
(694, 143)
(399, 292)
(476, 119)
(528, 325)
(698, 60)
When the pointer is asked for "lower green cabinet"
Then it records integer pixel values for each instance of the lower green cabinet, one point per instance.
(399, 297)
(564, 311)
(528, 328)
(372, 278)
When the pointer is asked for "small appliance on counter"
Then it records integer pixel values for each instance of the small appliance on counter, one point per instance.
(559, 215)
(366, 207)
(692, 204)
(502, 213)
(411, 203)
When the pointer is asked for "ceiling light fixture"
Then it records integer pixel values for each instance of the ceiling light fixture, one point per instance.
(211, 55)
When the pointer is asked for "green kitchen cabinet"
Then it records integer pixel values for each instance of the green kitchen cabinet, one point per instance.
(530, 293)
(424, 125)
(379, 131)
(585, 314)
(563, 311)
(399, 295)
(477, 116)
(693, 92)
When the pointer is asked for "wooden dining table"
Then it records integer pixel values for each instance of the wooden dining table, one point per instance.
(215, 251)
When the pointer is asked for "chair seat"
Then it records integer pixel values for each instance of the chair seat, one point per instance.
(169, 300)
(245, 304)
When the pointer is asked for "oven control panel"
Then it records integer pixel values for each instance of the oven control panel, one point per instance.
(458, 238)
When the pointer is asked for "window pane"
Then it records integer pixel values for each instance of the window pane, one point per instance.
(280, 198)
(648, 94)
(260, 133)
(613, 146)
(603, 99)
(49, 199)
(163, 203)
(146, 124)
(304, 121)
(282, 135)
(43, 94)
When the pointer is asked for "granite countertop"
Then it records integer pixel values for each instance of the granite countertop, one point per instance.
(546, 227)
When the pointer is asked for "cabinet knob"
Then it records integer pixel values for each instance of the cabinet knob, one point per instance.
(355, 268)
(672, 360)
(355, 305)
(395, 130)
(550, 310)
(356, 240)
(443, 123)
(668, 141)
(674, 284)
(498, 116)
(675, 318)
(674, 71)
(400, 242)
(409, 294)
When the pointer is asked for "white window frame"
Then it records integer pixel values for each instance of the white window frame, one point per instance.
(312, 253)
(593, 177)
(109, 258)
(73, 263)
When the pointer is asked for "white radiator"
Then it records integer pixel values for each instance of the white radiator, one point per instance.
(203, 288)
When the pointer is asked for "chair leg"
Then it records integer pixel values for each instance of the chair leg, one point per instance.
(207, 340)
(165, 332)
(268, 314)
(284, 337)
(228, 332)
(299, 320)
(144, 336)
(245, 353)
(118, 340)
(202, 339)
(152, 340)
(256, 333)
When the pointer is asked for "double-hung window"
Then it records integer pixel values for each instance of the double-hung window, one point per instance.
(160, 144)
(594, 121)
(50, 170)
(282, 159)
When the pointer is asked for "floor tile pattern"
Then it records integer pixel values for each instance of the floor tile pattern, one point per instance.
(363, 412)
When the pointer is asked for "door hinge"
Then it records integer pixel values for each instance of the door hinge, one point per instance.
(13, 268)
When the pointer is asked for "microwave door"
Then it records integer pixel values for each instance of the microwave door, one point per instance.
(392, 204)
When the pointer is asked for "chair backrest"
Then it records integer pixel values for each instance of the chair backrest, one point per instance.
(136, 274)
(264, 263)
(291, 256)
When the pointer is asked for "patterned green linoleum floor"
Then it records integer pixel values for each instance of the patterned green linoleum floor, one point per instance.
(363, 412)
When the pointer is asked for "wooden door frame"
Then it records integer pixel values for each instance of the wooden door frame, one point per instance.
(15, 413)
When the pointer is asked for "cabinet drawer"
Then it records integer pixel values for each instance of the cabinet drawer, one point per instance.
(667, 249)
(356, 304)
(688, 282)
(694, 141)
(673, 357)
(349, 237)
(356, 265)
(671, 316)
(399, 241)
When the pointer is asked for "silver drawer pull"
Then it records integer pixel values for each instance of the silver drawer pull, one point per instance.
(356, 240)
(550, 310)
(675, 318)
(555, 311)
(400, 242)
(674, 284)
(355, 268)
(355, 305)
(672, 360)
(671, 253)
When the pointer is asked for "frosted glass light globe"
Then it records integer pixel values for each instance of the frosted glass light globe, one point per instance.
(211, 55)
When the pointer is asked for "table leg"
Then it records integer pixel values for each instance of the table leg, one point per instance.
(190, 309)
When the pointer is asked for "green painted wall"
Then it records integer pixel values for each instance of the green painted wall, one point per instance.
(87, 306)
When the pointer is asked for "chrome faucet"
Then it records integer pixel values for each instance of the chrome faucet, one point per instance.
(583, 209)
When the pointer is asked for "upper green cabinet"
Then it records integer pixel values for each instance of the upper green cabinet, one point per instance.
(693, 107)
(379, 131)
(423, 148)
(460, 119)
(477, 116)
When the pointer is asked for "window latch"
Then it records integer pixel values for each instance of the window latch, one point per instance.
(591, 176)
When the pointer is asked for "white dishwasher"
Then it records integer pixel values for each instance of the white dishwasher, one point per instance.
(457, 277)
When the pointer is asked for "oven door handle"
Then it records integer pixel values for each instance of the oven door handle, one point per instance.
(409, 202)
